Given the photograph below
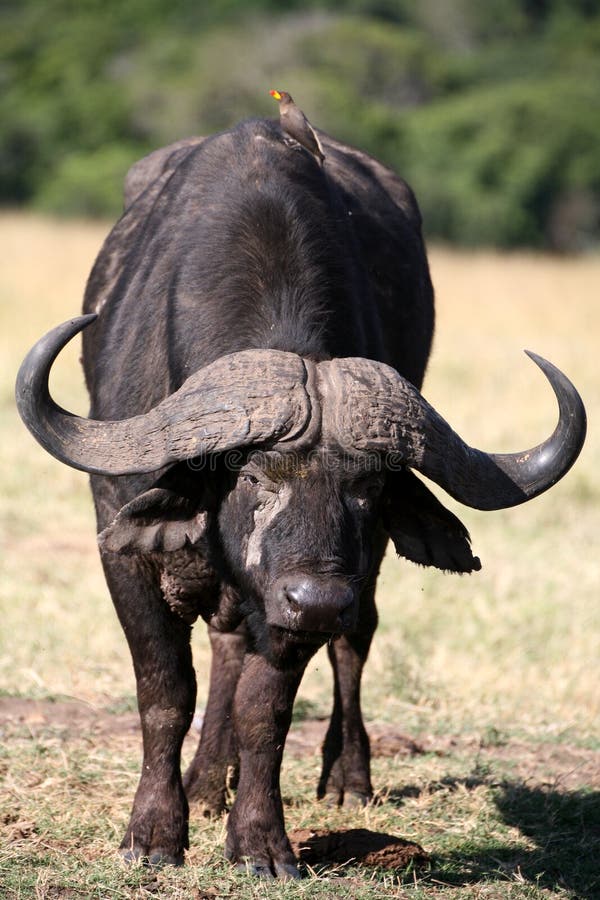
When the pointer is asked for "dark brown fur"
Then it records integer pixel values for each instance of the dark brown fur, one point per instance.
(231, 243)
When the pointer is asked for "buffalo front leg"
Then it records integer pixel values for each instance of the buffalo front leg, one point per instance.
(346, 772)
(206, 778)
(166, 691)
(256, 837)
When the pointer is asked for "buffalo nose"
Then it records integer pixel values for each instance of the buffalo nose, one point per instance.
(310, 604)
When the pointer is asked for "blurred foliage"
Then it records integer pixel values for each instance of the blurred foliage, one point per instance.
(491, 111)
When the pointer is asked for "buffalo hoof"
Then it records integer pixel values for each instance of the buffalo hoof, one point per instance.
(264, 869)
(279, 863)
(356, 799)
(157, 859)
(287, 872)
(208, 788)
(256, 841)
(349, 799)
(211, 807)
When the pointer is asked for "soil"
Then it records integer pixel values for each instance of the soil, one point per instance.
(559, 764)
(369, 848)
(562, 766)
(306, 737)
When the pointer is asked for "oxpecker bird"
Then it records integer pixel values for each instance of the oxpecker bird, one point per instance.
(295, 123)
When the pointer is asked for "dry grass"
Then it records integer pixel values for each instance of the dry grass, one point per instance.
(512, 652)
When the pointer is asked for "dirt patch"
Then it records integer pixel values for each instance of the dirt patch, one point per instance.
(559, 765)
(369, 848)
(306, 738)
(74, 718)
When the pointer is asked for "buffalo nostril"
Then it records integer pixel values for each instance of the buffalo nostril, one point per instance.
(294, 598)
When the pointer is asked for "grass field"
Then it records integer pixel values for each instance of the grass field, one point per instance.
(495, 676)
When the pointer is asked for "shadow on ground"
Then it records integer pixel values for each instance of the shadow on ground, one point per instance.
(563, 825)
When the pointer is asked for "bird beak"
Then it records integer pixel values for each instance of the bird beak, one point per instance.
(275, 94)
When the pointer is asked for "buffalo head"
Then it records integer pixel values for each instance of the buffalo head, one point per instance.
(322, 458)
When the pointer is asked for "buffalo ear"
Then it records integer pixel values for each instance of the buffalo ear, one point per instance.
(167, 517)
(423, 530)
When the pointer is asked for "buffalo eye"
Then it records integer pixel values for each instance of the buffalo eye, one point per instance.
(259, 481)
(365, 493)
(374, 489)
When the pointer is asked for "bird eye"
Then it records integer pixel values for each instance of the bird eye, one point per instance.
(247, 478)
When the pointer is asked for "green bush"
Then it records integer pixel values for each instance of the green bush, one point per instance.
(489, 110)
(496, 166)
(87, 183)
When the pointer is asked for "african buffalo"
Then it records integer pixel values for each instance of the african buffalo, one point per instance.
(261, 330)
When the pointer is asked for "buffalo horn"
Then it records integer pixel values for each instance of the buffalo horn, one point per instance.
(372, 408)
(250, 397)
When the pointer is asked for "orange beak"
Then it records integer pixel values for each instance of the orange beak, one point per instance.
(275, 94)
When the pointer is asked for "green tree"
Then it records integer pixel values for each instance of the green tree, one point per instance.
(490, 110)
